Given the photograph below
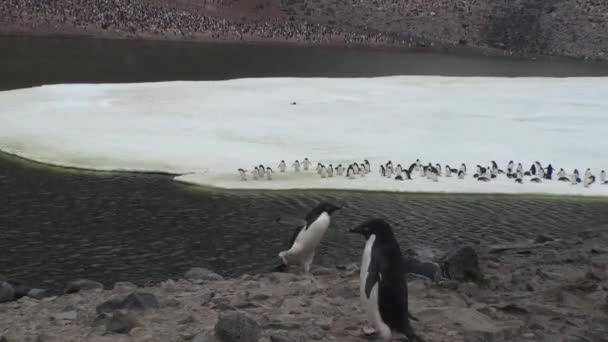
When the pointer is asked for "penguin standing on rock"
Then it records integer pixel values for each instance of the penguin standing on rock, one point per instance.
(383, 284)
(306, 238)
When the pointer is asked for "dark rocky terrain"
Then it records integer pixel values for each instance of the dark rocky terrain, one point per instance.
(542, 290)
(573, 28)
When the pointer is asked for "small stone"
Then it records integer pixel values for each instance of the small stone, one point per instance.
(449, 284)
(82, 285)
(139, 334)
(492, 264)
(7, 293)
(201, 275)
(528, 335)
(140, 301)
(46, 338)
(67, 316)
(38, 293)
(237, 327)
(124, 286)
(121, 322)
(543, 238)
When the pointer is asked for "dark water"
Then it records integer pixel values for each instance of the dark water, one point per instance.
(26, 62)
(57, 225)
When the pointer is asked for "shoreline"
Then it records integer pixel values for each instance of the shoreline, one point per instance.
(528, 291)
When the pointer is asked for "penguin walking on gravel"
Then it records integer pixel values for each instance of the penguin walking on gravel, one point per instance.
(306, 237)
(382, 282)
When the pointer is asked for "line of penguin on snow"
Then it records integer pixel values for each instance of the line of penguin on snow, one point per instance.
(483, 174)
(382, 279)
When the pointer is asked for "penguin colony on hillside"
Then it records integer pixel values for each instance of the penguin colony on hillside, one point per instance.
(382, 283)
(535, 174)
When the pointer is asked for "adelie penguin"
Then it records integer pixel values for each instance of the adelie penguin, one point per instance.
(339, 170)
(350, 172)
(296, 166)
(255, 173)
(307, 237)
(323, 172)
(282, 166)
(549, 173)
(261, 171)
(268, 173)
(306, 164)
(603, 177)
(366, 166)
(330, 171)
(243, 174)
(382, 282)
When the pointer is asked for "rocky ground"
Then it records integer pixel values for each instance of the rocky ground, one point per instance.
(573, 28)
(547, 290)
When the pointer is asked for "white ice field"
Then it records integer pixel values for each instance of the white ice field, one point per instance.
(207, 130)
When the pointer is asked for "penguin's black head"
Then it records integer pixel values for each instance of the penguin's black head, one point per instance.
(327, 207)
(377, 227)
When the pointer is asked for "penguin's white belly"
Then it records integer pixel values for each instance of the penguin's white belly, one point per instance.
(306, 242)
(371, 304)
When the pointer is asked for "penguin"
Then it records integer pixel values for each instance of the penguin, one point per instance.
(261, 170)
(454, 170)
(432, 176)
(323, 172)
(399, 177)
(418, 164)
(307, 237)
(382, 171)
(461, 174)
(540, 171)
(361, 170)
(243, 174)
(574, 179)
(536, 180)
(296, 166)
(306, 164)
(561, 174)
(510, 167)
(603, 177)
(350, 172)
(448, 171)
(563, 179)
(477, 172)
(589, 180)
(494, 165)
(519, 177)
(519, 180)
(533, 170)
(576, 173)
(398, 170)
(423, 170)
(438, 168)
(255, 173)
(339, 170)
(366, 166)
(588, 173)
(520, 168)
(330, 171)
(407, 175)
(463, 168)
(268, 173)
(412, 168)
(319, 167)
(282, 166)
(549, 173)
(389, 169)
(383, 284)
(483, 179)
(356, 168)
(527, 173)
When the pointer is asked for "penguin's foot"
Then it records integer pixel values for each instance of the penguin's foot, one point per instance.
(368, 331)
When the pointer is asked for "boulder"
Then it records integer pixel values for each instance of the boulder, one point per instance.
(428, 270)
(202, 275)
(21, 289)
(82, 285)
(461, 264)
(7, 293)
(237, 327)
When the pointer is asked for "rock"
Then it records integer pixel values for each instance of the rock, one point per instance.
(449, 284)
(139, 334)
(206, 336)
(109, 306)
(7, 293)
(513, 309)
(124, 286)
(237, 327)
(140, 301)
(46, 338)
(21, 289)
(121, 322)
(428, 270)
(201, 275)
(461, 264)
(38, 293)
(288, 337)
(82, 285)
(67, 316)
(543, 238)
